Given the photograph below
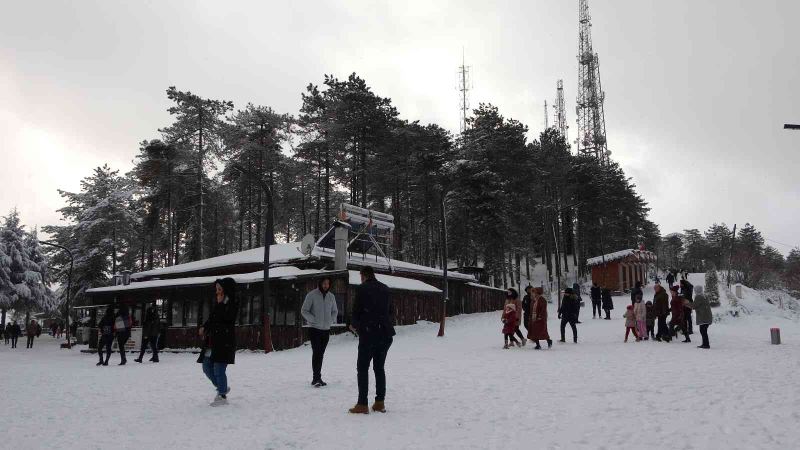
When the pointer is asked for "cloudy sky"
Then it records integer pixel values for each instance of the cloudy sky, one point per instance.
(696, 91)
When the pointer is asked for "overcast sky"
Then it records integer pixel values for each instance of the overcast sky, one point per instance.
(696, 91)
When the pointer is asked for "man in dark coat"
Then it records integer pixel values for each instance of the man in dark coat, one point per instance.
(32, 331)
(105, 337)
(608, 303)
(150, 331)
(3, 332)
(661, 311)
(670, 278)
(527, 307)
(636, 291)
(568, 313)
(219, 338)
(373, 320)
(597, 296)
(13, 331)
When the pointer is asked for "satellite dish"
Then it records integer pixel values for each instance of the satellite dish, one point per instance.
(307, 244)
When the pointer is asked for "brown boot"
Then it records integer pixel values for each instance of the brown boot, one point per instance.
(359, 409)
(378, 406)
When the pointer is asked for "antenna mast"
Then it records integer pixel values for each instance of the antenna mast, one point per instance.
(561, 113)
(591, 116)
(464, 85)
(546, 124)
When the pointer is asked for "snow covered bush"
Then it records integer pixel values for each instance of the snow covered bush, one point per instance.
(712, 287)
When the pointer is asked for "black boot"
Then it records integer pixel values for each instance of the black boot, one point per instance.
(138, 360)
(549, 343)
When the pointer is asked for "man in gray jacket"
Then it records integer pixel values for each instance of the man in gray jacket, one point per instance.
(320, 312)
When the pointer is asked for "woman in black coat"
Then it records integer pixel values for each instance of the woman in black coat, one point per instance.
(608, 303)
(219, 339)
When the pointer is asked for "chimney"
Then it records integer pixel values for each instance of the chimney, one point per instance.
(341, 233)
(126, 277)
(117, 278)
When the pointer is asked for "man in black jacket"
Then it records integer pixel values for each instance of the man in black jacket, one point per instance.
(597, 297)
(373, 321)
(526, 307)
(636, 291)
(568, 313)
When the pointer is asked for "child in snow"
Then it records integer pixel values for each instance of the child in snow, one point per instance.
(510, 325)
(640, 311)
(630, 323)
(651, 320)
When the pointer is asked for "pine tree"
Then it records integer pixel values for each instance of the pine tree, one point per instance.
(27, 267)
(712, 286)
(197, 127)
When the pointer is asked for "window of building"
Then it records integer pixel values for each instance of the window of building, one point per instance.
(177, 313)
(192, 312)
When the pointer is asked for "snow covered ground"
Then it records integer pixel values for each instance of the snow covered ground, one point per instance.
(461, 391)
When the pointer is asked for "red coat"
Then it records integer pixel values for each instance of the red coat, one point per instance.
(676, 305)
(509, 321)
(518, 305)
(538, 324)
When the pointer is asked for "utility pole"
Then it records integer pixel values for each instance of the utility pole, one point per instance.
(730, 256)
(445, 287)
(69, 284)
(546, 124)
(464, 85)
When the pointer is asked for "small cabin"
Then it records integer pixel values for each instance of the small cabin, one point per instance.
(619, 271)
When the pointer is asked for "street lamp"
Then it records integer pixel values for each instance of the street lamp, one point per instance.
(445, 290)
(69, 283)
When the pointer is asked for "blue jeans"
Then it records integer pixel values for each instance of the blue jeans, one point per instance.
(216, 373)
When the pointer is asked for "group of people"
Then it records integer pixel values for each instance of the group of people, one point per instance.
(117, 326)
(640, 317)
(12, 331)
(372, 320)
(532, 312)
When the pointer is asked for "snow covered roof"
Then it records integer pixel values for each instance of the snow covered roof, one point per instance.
(642, 255)
(278, 253)
(287, 254)
(393, 282)
(357, 259)
(282, 273)
(484, 286)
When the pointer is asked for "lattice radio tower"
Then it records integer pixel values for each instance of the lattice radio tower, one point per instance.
(546, 123)
(464, 85)
(591, 117)
(561, 112)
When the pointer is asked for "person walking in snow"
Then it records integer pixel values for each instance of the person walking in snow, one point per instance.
(32, 331)
(122, 331)
(630, 323)
(637, 290)
(608, 302)
(703, 315)
(651, 320)
(3, 332)
(568, 313)
(219, 339)
(105, 336)
(670, 278)
(576, 288)
(661, 311)
(320, 312)
(512, 297)
(373, 320)
(537, 325)
(677, 306)
(150, 331)
(527, 307)
(509, 320)
(687, 292)
(640, 310)
(597, 295)
(13, 331)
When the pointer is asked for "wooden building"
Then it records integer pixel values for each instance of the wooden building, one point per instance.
(619, 271)
(183, 294)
